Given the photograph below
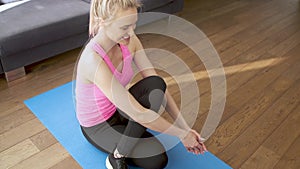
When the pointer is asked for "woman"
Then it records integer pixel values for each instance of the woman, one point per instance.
(113, 118)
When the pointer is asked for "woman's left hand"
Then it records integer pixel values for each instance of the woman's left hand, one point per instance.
(200, 148)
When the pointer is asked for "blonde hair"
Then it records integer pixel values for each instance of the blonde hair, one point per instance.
(102, 10)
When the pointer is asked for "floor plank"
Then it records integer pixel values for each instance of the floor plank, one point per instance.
(19, 115)
(43, 140)
(250, 111)
(240, 85)
(45, 159)
(20, 133)
(246, 144)
(17, 153)
(291, 158)
(270, 152)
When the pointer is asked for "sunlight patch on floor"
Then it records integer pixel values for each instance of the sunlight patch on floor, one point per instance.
(228, 70)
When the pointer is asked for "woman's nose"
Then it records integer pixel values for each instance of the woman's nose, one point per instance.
(131, 31)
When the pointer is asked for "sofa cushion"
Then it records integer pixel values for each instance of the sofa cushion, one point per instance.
(39, 22)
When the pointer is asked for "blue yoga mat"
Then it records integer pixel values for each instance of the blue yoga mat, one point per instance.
(55, 109)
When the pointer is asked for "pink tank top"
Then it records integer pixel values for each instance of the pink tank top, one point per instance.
(92, 106)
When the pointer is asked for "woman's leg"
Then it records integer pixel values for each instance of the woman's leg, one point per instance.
(149, 153)
(146, 153)
(105, 136)
(149, 92)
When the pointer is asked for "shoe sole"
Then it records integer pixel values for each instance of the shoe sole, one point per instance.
(107, 164)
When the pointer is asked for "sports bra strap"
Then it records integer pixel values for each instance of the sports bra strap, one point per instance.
(103, 54)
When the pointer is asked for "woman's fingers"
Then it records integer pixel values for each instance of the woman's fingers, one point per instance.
(196, 149)
(191, 150)
(204, 147)
(194, 144)
(201, 147)
(200, 141)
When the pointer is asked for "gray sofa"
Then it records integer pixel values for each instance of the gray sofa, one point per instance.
(40, 29)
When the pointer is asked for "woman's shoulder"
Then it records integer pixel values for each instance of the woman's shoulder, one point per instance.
(89, 57)
(88, 63)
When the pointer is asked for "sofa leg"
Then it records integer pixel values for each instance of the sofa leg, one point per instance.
(15, 74)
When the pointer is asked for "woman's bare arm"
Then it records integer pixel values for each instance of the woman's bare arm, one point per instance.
(146, 69)
(95, 70)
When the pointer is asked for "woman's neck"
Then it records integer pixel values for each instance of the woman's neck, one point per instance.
(106, 43)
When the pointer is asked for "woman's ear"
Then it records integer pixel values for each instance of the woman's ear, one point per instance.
(95, 24)
(100, 22)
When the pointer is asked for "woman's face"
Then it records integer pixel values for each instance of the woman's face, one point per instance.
(122, 26)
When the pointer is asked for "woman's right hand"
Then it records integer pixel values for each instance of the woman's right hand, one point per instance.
(192, 142)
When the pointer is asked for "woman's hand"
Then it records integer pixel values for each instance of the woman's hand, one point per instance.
(192, 142)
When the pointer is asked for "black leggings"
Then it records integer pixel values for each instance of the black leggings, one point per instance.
(131, 139)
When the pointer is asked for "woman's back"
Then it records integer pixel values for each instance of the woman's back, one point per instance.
(92, 106)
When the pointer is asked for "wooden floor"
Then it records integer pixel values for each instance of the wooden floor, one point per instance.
(259, 44)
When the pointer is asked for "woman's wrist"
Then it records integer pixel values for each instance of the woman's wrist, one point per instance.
(184, 126)
(182, 134)
(181, 122)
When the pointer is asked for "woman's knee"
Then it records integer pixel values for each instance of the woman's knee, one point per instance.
(157, 82)
(150, 82)
(149, 92)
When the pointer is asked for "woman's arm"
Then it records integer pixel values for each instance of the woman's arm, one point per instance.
(174, 112)
(96, 71)
(146, 69)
